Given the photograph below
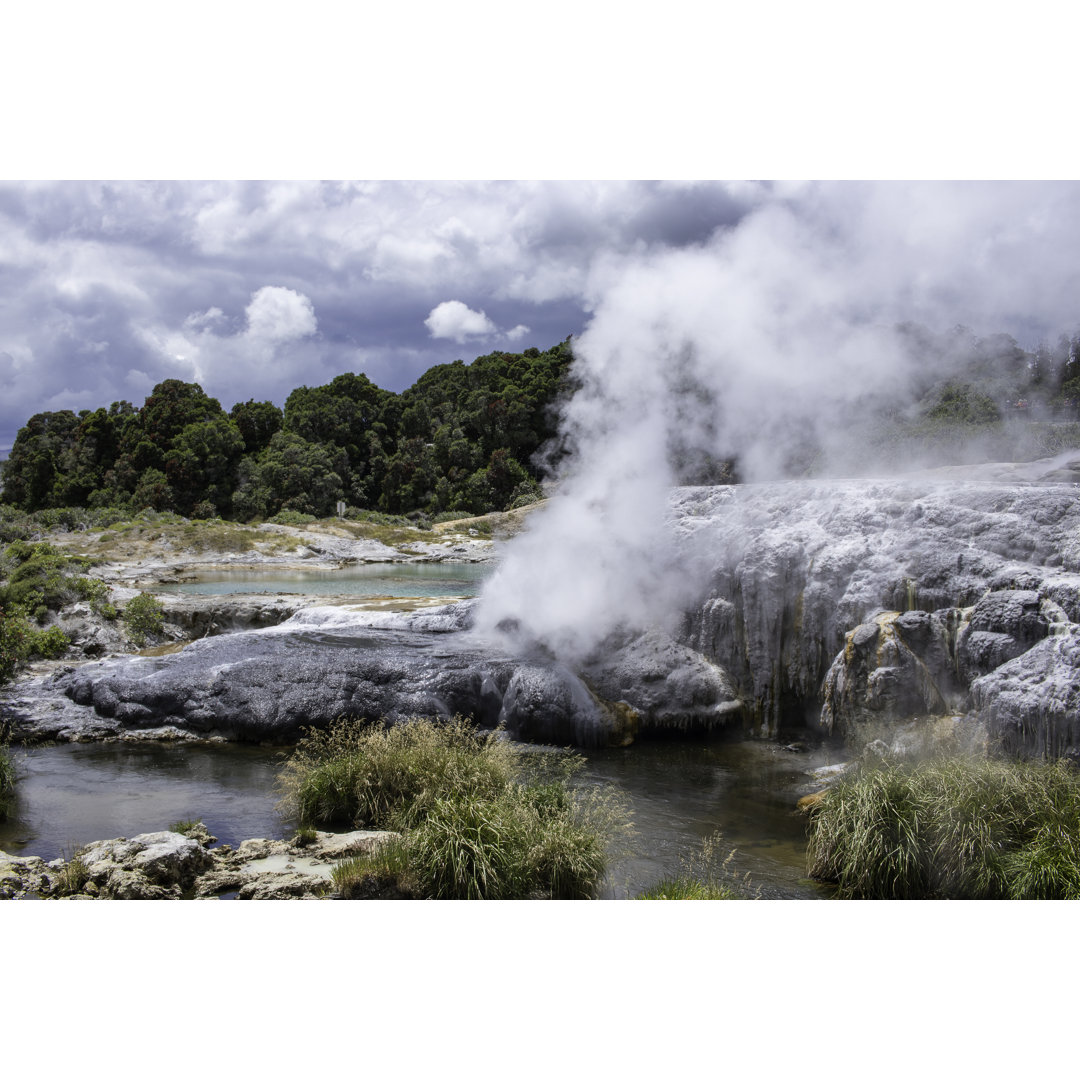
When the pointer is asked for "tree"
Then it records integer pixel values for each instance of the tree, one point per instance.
(257, 422)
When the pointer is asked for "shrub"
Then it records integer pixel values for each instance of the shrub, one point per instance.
(143, 616)
(14, 642)
(20, 640)
(39, 580)
(479, 820)
(950, 828)
(96, 593)
(291, 517)
(50, 644)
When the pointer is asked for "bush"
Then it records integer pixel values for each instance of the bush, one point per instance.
(49, 644)
(14, 631)
(479, 820)
(950, 828)
(144, 616)
(39, 579)
(291, 517)
(20, 640)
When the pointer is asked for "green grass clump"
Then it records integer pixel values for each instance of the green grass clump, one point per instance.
(704, 876)
(72, 878)
(950, 828)
(185, 828)
(352, 774)
(144, 616)
(478, 820)
(681, 888)
(381, 874)
(7, 782)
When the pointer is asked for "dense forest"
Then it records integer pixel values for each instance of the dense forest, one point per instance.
(462, 439)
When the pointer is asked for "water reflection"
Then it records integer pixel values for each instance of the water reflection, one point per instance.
(71, 794)
(683, 793)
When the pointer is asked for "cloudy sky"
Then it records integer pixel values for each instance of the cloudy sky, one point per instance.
(252, 289)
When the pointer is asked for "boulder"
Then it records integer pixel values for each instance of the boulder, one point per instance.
(150, 866)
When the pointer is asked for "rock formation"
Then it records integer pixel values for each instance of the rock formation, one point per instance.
(821, 605)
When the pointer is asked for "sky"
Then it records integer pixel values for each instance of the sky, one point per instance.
(252, 288)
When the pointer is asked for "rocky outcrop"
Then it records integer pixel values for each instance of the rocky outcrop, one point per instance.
(836, 602)
(1031, 703)
(172, 866)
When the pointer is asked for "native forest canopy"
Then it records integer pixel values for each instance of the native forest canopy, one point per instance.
(464, 439)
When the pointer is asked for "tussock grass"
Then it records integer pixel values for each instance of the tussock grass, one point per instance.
(355, 774)
(478, 819)
(186, 828)
(950, 828)
(7, 781)
(381, 874)
(704, 876)
(305, 836)
(72, 878)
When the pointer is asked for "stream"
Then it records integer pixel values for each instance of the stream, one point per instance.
(680, 793)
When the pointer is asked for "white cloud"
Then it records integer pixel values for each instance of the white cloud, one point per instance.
(454, 320)
(210, 319)
(279, 314)
(517, 333)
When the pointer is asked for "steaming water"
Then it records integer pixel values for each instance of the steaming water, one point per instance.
(372, 579)
(71, 794)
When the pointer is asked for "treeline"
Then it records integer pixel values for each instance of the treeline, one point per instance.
(969, 379)
(462, 439)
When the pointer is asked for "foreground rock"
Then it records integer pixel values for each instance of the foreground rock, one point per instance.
(171, 866)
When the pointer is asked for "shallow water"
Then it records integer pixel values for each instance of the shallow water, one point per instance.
(72, 793)
(683, 793)
(680, 793)
(369, 579)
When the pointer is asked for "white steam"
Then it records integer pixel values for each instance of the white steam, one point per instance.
(773, 337)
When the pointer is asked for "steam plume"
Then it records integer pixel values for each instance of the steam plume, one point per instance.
(773, 335)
